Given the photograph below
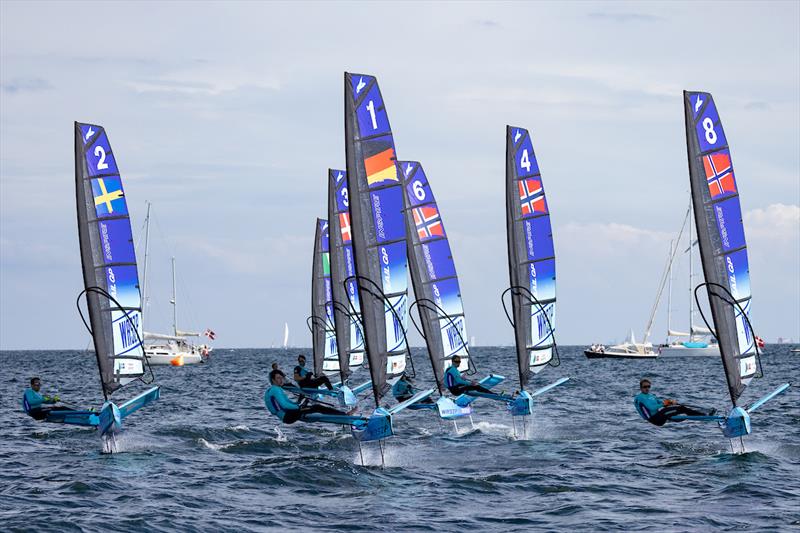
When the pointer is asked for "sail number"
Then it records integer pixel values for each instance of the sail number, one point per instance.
(371, 109)
(525, 162)
(708, 127)
(345, 198)
(419, 192)
(100, 152)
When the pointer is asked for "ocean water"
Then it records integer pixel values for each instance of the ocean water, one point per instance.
(209, 457)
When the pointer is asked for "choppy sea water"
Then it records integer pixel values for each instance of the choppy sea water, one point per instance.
(209, 457)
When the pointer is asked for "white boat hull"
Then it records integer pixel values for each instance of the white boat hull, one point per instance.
(683, 351)
(166, 358)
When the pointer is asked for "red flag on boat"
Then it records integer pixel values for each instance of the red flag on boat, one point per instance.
(210, 334)
(760, 342)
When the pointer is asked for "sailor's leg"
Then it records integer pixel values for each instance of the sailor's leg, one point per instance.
(322, 409)
(686, 410)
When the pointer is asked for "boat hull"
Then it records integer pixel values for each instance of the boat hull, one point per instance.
(617, 355)
(166, 358)
(683, 351)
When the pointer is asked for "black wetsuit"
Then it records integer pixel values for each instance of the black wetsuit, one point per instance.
(663, 415)
(308, 381)
(463, 389)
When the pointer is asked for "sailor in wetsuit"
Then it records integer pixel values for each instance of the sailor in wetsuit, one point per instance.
(659, 412)
(456, 384)
(288, 411)
(305, 379)
(33, 401)
(403, 389)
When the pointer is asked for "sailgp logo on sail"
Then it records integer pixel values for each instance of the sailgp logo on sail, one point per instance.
(723, 230)
(529, 238)
(732, 277)
(112, 282)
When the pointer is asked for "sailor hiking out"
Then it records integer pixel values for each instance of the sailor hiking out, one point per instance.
(403, 389)
(305, 379)
(659, 412)
(279, 404)
(456, 383)
(33, 402)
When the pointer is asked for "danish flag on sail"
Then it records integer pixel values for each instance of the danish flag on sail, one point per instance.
(344, 223)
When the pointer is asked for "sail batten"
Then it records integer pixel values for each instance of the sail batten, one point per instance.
(429, 254)
(720, 232)
(108, 259)
(379, 246)
(531, 256)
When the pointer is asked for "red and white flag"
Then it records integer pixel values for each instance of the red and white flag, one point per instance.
(210, 334)
(760, 342)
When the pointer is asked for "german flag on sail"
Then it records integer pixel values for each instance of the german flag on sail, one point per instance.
(380, 167)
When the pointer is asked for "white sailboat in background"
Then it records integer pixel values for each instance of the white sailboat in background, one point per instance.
(698, 341)
(175, 349)
(285, 335)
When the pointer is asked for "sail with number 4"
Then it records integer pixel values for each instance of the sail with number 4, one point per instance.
(323, 335)
(108, 259)
(379, 236)
(720, 235)
(346, 308)
(433, 274)
(531, 256)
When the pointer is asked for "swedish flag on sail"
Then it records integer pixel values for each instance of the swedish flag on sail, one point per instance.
(109, 199)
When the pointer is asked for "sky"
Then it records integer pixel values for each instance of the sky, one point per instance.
(226, 116)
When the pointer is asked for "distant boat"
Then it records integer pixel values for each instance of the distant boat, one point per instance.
(286, 336)
(175, 349)
(629, 349)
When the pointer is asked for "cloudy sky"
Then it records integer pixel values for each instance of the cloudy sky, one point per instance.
(226, 116)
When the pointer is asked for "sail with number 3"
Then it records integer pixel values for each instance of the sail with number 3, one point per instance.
(377, 223)
(531, 256)
(720, 235)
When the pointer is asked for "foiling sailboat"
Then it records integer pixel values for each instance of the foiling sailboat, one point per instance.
(111, 285)
(532, 268)
(723, 254)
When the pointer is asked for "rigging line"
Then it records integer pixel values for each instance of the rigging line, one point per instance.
(314, 320)
(733, 303)
(381, 296)
(526, 293)
(422, 303)
(102, 292)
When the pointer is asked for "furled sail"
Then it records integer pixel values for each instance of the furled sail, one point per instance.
(531, 256)
(108, 259)
(720, 233)
(433, 273)
(346, 308)
(323, 335)
(379, 236)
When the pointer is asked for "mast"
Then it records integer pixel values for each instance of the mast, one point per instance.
(691, 280)
(721, 239)
(379, 238)
(146, 254)
(531, 256)
(108, 260)
(669, 291)
(433, 273)
(174, 301)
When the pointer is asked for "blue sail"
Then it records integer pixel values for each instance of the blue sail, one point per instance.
(379, 237)
(531, 256)
(324, 348)
(108, 259)
(346, 307)
(720, 235)
(433, 273)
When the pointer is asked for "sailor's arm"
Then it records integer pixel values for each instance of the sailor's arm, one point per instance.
(284, 401)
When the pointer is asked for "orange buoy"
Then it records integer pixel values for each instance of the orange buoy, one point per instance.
(178, 361)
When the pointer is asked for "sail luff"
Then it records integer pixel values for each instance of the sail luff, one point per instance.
(433, 273)
(531, 256)
(108, 259)
(720, 236)
(378, 229)
(318, 298)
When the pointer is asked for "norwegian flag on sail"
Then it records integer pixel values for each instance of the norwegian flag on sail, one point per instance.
(531, 195)
(428, 223)
(210, 334)
(719, 173)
